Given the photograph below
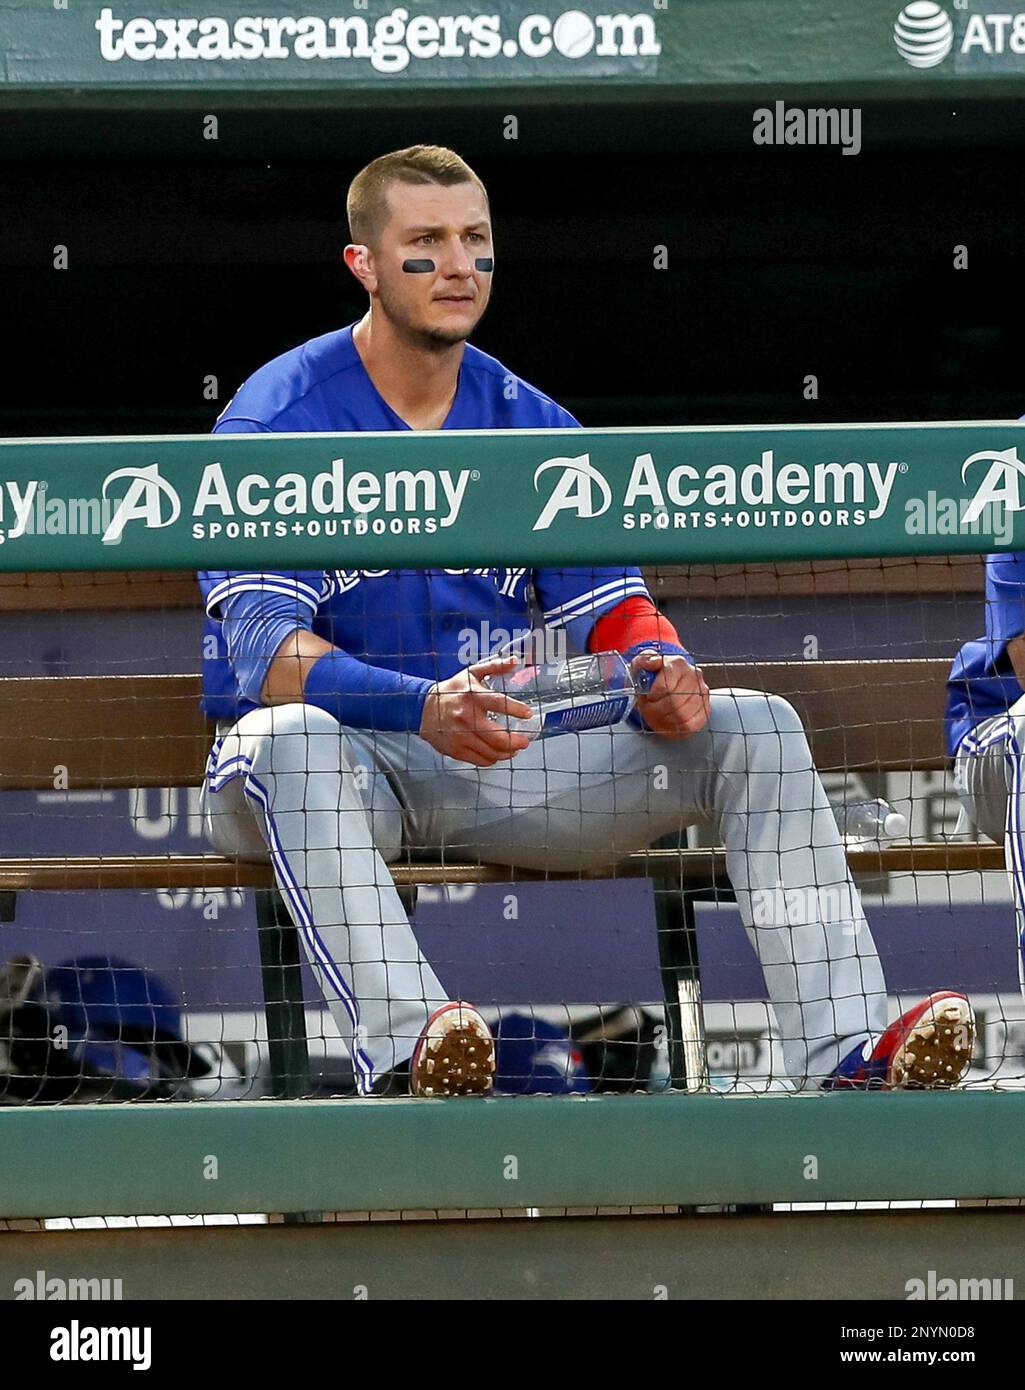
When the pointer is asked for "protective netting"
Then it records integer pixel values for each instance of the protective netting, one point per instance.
(151, 984)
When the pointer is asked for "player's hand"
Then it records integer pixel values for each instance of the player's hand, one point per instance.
(677, 704)
(455, 718)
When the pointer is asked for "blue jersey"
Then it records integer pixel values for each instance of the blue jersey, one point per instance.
(424, 623)
(982, 681)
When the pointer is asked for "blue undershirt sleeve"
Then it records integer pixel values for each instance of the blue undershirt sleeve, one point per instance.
(358, 695)
(254, 624)
(361, 696)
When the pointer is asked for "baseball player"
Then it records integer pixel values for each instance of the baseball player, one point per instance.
(352, 727)
(986, 724)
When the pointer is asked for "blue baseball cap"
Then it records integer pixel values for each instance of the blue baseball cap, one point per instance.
(533, 1057)
(101, 995)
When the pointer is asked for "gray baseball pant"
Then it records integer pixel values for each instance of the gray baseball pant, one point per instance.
(988, 775)
(331, 806)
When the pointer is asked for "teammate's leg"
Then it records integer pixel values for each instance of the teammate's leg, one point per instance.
(288, 783)
(990, 780)
(578, 802)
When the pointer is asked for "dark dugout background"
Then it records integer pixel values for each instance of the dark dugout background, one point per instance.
(191, 258)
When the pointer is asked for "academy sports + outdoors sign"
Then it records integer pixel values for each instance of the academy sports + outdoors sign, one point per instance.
(525, 497)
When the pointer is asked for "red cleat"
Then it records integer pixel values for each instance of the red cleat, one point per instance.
(455, 1055)
(930, 1046)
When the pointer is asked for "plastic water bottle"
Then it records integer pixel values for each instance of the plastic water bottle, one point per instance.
(582, 692)
(860, 822)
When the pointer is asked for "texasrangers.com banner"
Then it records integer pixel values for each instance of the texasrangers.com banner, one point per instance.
(387, 43)
(75, 49)
(356, 43)
(527, 497)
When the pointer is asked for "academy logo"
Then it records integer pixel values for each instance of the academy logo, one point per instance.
(577, 488)
(759, 495)
(254, 506)
(923, 34)
(1000, 487)
(143, 501)
(293, 505)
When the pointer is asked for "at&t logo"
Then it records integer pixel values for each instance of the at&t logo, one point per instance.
(923, 34)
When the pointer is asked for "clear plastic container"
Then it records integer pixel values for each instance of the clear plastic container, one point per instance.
(582, 692)
(864, 822)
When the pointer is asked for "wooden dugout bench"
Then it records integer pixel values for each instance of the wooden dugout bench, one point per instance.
(131, 731)
(115, 732)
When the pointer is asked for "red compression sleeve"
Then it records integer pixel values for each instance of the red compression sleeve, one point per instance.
(630, 624)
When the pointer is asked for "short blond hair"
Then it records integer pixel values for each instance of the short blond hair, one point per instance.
(367, 204)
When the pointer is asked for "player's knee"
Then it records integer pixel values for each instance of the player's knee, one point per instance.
(293, 718)
(757, 712)
(773, 734)
(783, 715)
(294, 738)
(302, 719)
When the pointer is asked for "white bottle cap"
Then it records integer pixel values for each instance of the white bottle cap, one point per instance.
(895, 825)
